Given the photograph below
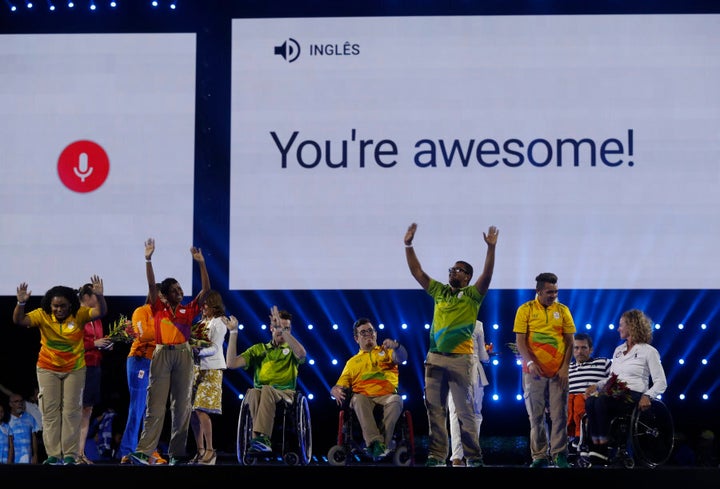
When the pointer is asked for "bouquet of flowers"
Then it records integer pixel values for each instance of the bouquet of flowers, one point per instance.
(121, 331)
(616, 389)
(198, 336)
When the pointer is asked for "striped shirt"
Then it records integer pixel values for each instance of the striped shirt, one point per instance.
(581, 375)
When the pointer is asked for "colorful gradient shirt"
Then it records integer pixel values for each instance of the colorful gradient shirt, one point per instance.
(61, 344)
(372, 373)
(454, 318)
(545, 327)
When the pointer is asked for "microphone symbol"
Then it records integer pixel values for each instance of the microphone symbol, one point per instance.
(83, 169)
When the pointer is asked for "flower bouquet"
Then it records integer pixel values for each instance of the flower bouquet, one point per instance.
(616, 389)
(121, 331)
(198, 336)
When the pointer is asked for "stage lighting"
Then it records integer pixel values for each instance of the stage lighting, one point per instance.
(11, 6)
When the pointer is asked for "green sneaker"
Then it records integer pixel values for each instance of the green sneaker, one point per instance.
(561, 461)
(139, 458)
(433, 462)
(376, 449)
(539, 463)
(52, 461)
(475, 462)
(69, 461)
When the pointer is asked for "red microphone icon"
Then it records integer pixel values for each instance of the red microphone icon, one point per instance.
(83, 166)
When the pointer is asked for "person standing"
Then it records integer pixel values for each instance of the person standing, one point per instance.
(449, 364)
(171, 368)
(636, 364)
(95, 342)
(275, 365)
(371, 377)
(544, 331)
(208, 375)
(61, 363)
(584, 371)
(457, 456)
(137, 368)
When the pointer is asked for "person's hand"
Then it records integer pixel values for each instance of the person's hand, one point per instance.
(149, 248)
(231, 322)
(410, 234)
(104, 344)
(591, 390)
(339, 394)
(645, 402)
(197, 254)
(97, 285)
(390, 344)
(491, 236)
(23, 294)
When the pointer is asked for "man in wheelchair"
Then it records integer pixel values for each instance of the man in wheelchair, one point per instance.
(371, 376)
(275, 366)
(636, 379)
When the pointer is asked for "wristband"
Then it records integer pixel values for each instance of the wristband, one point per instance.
(530, 363)
(409, 246)
(233, 331)
(148, 260)
(20, 303)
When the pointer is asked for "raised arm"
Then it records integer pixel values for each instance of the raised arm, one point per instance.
(482, 284)
(412, 260)
(204, 277)
(149, 272)
(19, 316)
(99, 291)
(232, 358)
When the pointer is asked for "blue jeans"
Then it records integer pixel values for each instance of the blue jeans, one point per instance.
(138, 375)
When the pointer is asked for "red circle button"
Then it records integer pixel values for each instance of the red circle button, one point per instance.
(83, 166)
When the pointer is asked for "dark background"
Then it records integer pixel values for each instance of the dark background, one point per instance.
(683, 348)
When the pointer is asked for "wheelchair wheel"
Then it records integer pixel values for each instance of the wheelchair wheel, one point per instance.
(244, 435)
(303, 430)
(338, 455)
(402, 456)
(652, 434)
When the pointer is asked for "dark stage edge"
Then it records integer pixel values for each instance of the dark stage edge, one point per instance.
(215, 475)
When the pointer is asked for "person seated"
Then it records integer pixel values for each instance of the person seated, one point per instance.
(275, 366)
(584, 370)
(372, 377)
(636, 377)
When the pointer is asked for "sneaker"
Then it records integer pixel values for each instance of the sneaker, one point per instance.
(260, 444)
(52, 461)
(139, 458)
(69, 461)
(539, 463)
(179, 460)
(475, 462)
(561, 461)
(125, 460)
(376, 449)
(458, 462)
(157, 459)
(433, 462)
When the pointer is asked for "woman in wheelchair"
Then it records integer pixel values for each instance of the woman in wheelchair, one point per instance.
(636, 378)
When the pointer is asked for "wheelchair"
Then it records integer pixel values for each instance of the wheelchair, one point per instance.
(351, 447)
(644, 438)
(291, 438)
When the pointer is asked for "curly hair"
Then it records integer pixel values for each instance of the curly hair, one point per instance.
(639, 326)
(60, 291)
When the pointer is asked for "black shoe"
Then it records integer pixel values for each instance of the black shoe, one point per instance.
(598, 459)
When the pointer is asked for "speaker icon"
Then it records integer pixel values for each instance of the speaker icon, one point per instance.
(289, 50)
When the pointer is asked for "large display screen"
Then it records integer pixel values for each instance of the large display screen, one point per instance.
(97, 150)
(591, 142)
